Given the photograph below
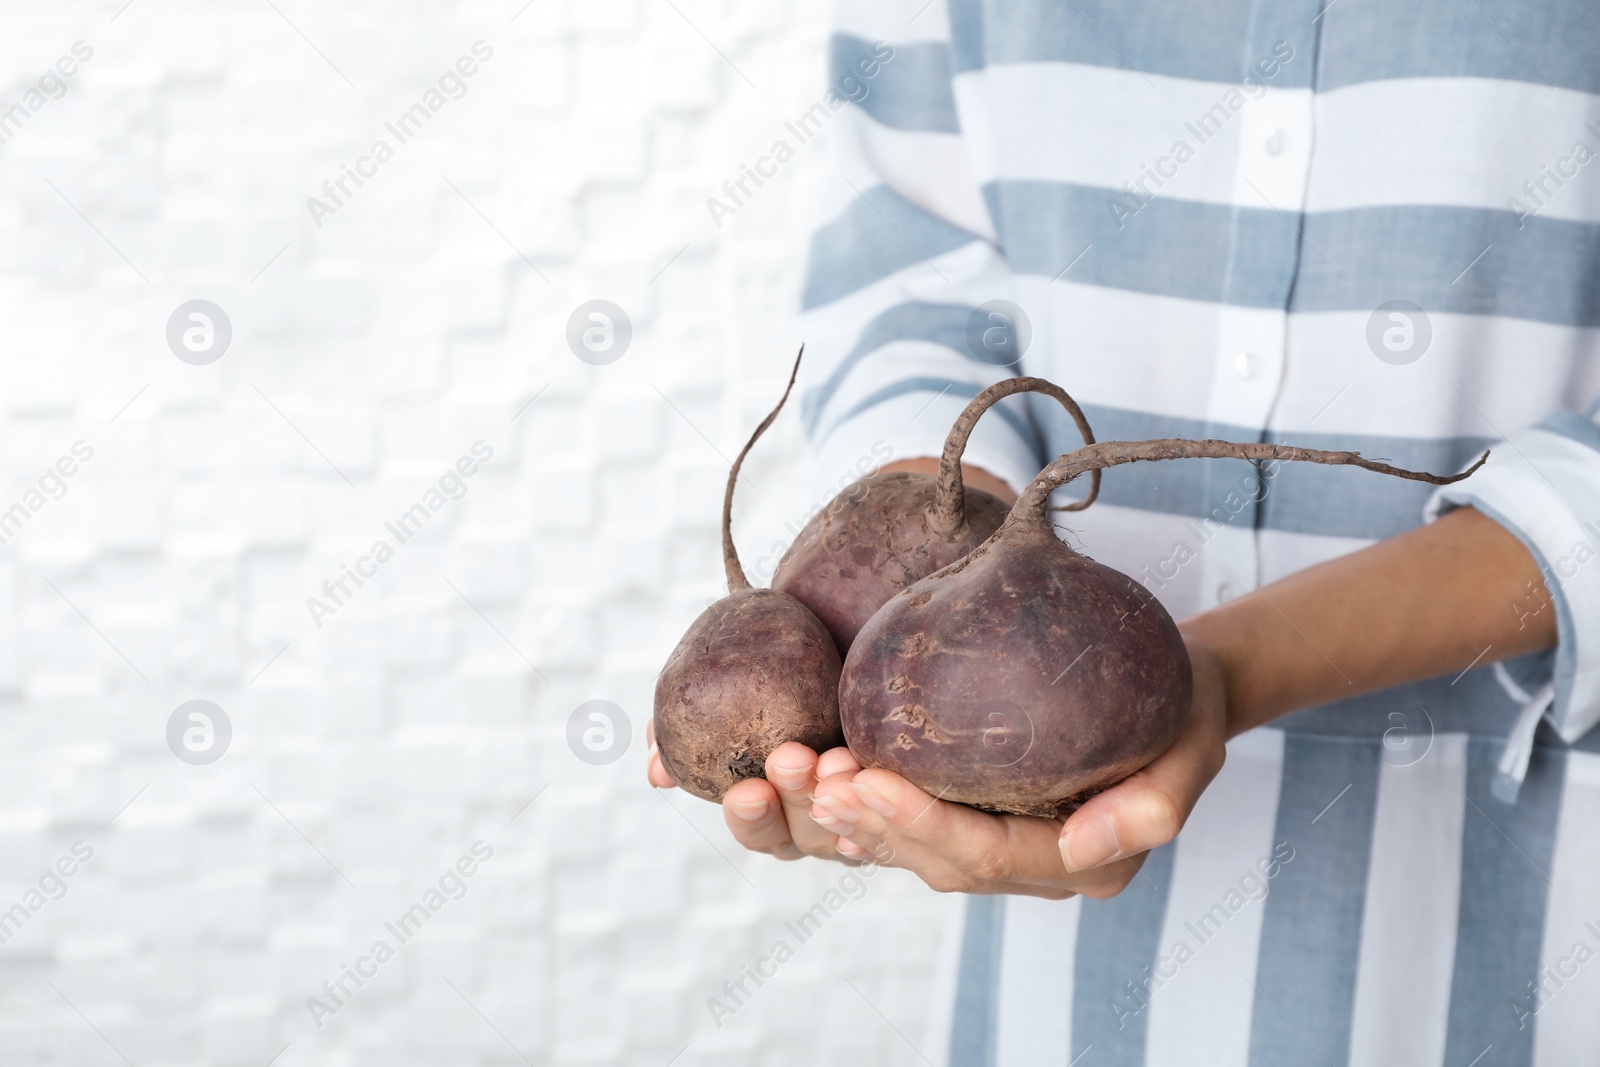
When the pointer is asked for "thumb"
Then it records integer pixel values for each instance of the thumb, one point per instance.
(1148, 809)
(1127, 819)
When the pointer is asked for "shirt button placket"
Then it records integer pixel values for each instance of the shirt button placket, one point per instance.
(1273, 168)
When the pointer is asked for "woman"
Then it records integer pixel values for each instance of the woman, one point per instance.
(1352, 225)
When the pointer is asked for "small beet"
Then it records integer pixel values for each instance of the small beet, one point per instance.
(1027, 677)
(887, 530)
(756, 669)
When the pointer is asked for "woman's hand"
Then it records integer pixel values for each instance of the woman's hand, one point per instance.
(879, 816)
(828, 806)
(773, 815)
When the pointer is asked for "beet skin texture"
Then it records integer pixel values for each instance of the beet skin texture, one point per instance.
(871, 541)
(1023, 679)
(756, 669)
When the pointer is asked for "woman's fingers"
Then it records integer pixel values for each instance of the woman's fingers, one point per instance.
(1128, 819)
(792, 769)
(757, 820)
(1107, 881)
(658, 774)
(1148, 809)
(838, 808)
(655, 770)
(833, 761)
(836, 761)
(950, 846)
(772, 815)
(999, 848)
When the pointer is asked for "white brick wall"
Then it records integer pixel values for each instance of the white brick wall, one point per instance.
(367, 355)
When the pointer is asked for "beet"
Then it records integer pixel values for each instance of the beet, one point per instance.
(885, 531)
(1027, 677)
(756, 669)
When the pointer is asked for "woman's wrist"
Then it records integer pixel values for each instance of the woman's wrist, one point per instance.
(1395, 612)
(1234, 644)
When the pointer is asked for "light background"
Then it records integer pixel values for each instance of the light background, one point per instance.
(367, 355)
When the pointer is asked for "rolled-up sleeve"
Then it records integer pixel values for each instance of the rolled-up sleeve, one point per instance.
(1543, 485)
(903, 256)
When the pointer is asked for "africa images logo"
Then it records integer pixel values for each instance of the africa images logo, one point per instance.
(452, 885)
(336, 191)
(337, 592)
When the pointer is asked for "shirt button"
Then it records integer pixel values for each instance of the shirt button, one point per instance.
(1275, 143)
(1228, 590)
(1244, 366)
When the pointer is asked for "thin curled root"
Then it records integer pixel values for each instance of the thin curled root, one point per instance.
(1031, 506)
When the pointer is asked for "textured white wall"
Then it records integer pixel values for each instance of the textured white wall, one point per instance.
(368, 353)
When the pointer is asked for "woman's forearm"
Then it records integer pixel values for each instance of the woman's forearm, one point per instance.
(1458, 592)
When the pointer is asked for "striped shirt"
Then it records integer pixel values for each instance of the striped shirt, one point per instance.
(1357, 224)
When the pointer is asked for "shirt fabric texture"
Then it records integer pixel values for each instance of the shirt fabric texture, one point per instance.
(1365, 224)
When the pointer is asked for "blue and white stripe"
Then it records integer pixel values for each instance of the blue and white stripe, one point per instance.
(1336, 157)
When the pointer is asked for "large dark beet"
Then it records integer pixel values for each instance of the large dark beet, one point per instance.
(1027, 677)
(885, 531)
(756, 669)
(1022, 678)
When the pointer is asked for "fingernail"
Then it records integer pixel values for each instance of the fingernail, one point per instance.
(749, 810)
(874, 800)
(836, 809)
(832, 825)
(791, 778)
(1090, 843)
